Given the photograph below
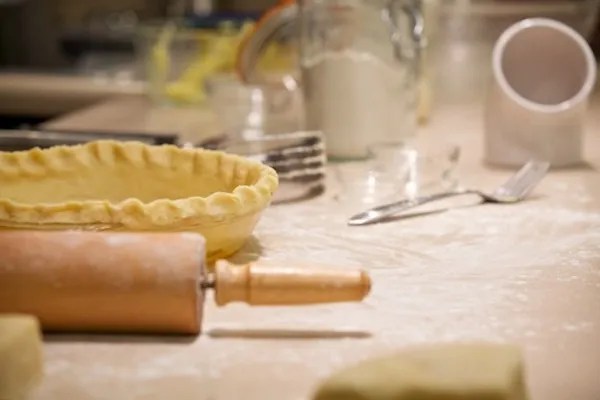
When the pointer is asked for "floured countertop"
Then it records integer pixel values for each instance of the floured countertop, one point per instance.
(527, 273)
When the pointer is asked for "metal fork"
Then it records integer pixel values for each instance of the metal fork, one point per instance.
(513, 190)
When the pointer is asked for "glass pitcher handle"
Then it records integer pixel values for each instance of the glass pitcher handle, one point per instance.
(412, 9)
(281, 16)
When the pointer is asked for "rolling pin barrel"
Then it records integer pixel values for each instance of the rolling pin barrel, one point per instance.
(103, 282)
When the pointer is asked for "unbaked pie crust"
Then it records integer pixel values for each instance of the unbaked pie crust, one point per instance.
(110, 185)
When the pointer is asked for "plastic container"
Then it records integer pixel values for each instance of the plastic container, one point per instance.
(461, 37)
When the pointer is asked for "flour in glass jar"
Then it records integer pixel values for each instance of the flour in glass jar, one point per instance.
(357, 100)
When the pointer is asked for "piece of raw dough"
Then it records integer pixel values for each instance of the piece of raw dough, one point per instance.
(466, 371)
(21, 360)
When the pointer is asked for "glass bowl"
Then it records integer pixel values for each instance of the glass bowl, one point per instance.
(250, 111)
(394, 172)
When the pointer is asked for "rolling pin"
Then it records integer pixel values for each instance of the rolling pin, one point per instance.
(76, 281)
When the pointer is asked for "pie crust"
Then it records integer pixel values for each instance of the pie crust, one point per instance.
(131, 186)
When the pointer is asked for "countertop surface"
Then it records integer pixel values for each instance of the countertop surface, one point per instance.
(527, 273)
(49, 94)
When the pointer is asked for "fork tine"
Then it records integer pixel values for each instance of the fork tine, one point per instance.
(521, 183)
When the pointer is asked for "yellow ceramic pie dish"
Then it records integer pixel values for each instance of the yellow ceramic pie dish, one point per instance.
(130, 186)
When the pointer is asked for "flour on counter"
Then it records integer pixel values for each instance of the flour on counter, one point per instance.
(473, 273)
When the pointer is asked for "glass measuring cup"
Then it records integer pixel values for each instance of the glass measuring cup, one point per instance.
(359, 62)
(358, 65)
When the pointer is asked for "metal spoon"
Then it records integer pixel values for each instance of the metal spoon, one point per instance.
(512, 191)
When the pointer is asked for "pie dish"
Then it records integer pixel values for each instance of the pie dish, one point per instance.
(131, 186)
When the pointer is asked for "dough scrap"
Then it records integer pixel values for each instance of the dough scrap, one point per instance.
(21, 360)
(459, 371)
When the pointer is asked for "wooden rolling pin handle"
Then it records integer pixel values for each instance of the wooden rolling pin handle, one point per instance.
(261, 285)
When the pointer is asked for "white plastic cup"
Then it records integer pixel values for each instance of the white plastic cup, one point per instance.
(543, 74)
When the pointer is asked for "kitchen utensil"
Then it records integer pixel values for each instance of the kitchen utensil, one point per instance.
(461, 37)
(298, 158)
(418, 170)
(397, 171)
(543, 72)
(358, 63)
(280, 22)
(253, 110)
(146, 283)
(512, 191)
